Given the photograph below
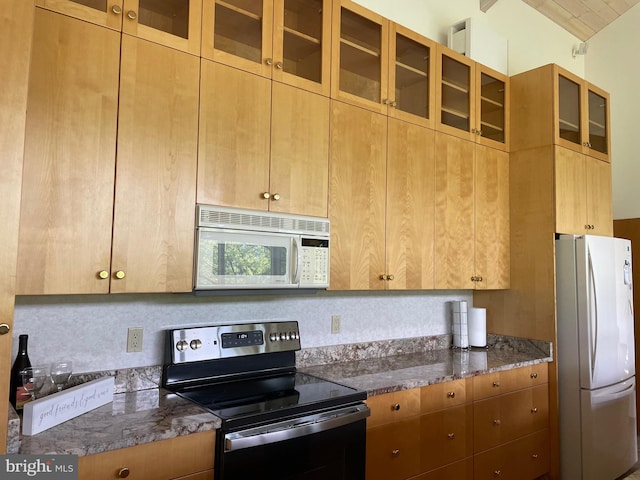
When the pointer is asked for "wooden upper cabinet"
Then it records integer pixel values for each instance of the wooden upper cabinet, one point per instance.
(287, 40)
(472, 100)
(77, 114)
(174, 23)
(551, 105)
(382, 66)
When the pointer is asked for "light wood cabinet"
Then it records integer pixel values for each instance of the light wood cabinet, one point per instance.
(472, 215)
(553, 106)
(187, 457)
(263, 145)
(472, 100)
(381, 198)
(286, 40)
(382, 66)
(175, 24)
(68, 214)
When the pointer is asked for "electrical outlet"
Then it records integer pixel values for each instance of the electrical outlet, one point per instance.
(134, 339)
(335, 323)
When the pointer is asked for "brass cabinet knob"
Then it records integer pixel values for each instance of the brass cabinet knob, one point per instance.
(497, 473)
(394, 103)
(451, 394)
(385, 101)
(266, 195)
(390, 277)
(534, 456)
(116, 9)
(276, 196)
(123, 473)
(269, 61)
(131, 14)
(120, 274)
(534, 410)
(451, 436)
(103, 274)
(279, 65)
(396, 452)
(534, 375)
(4, 328)
(497, 422)
(395, 407)
(496, 384)
(384, 276)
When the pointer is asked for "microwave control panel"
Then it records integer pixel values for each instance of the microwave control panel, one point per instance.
(315, 262)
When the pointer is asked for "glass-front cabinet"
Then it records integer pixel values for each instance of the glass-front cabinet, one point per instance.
(583, 116)
(174, 23)
(472, 100)
(286, 40)
(382, 66)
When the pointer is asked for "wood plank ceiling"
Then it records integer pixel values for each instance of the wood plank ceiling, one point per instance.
(582, 18)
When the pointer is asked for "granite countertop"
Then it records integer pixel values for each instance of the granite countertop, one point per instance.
(150, 414)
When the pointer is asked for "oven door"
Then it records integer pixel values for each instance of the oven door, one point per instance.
(327, 445)
(229, 259)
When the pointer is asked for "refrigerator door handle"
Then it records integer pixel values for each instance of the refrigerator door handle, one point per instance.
(607, 396)
(592, 311)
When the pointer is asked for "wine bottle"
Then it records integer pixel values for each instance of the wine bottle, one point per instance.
(18, 396)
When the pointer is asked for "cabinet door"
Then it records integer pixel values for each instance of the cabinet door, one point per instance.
(238, 33)
(411, 76)
(597, 107)
(235, 122)
(570, 128)
(454, 246)
(69, 157)
(599, 207)
(302, 44)
(107, 13)
(492, 242)
(454, 83)
(299, 151)
(360, 56)
(492, 108)
(357, 193)
(174, 23)
(445, 437)
(410, 206)
(155, 184)
(571, 192)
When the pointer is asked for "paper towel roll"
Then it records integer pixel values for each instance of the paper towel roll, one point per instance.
(477, 327)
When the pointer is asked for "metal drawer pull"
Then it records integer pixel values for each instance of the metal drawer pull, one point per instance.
(497, 422)
(534, 410)
(496, 384)
(497, 473)
(451, 436)
(534, 456)
(123, 473)
(395, 407)
(534, 375)
(396, 453)
(451, 395)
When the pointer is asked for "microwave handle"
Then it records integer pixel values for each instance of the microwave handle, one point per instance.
(297, 254)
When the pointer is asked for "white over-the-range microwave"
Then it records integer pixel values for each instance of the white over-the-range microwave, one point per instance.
(247, 249)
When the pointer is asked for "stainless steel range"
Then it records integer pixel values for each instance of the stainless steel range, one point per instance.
(277, 423)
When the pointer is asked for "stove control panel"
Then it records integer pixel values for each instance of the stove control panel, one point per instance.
(228, 341)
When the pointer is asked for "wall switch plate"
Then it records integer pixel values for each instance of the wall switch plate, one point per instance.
(134, 339)
(335, 323)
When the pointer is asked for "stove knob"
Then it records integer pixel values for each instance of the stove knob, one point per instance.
(195, 344)
(273, 337)
(182, 345)
(296, 336)
(283, 336)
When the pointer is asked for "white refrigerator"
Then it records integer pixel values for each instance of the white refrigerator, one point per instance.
(596, 358)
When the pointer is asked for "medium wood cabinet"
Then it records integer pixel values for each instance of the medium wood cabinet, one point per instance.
(381, 201)
(74, 236)
(382, 66)
(187, 457)
(175, 24)
(472, 215)
(472, 100)
(553, 106)
(263, 145)
(286, 40)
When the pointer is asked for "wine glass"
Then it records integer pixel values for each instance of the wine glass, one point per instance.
(33, 379)
(60, 373)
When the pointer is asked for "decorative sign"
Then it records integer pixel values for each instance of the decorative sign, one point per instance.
(44, 413)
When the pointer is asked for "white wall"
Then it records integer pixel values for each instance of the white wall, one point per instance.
(612, 64)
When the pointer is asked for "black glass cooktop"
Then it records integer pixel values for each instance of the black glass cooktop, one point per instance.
(257, 400)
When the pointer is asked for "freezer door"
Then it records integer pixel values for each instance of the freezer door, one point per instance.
(609, 441)
(605, 311)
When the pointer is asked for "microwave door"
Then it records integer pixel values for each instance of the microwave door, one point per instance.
(228, 259)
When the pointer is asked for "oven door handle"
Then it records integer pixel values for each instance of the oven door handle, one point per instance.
(294, 428)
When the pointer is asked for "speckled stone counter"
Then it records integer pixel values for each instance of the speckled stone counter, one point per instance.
(417, 366)
(133, 418)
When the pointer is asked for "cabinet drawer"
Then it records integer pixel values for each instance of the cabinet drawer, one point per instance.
(444, 395)
(163, 460)
(501, 419)
(446, 436)
(393, 451)
(391, 407)
(462, 470)
(206, 475)
(497, 383)
(525, 459)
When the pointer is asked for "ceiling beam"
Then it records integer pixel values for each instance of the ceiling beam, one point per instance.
(486, 4)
